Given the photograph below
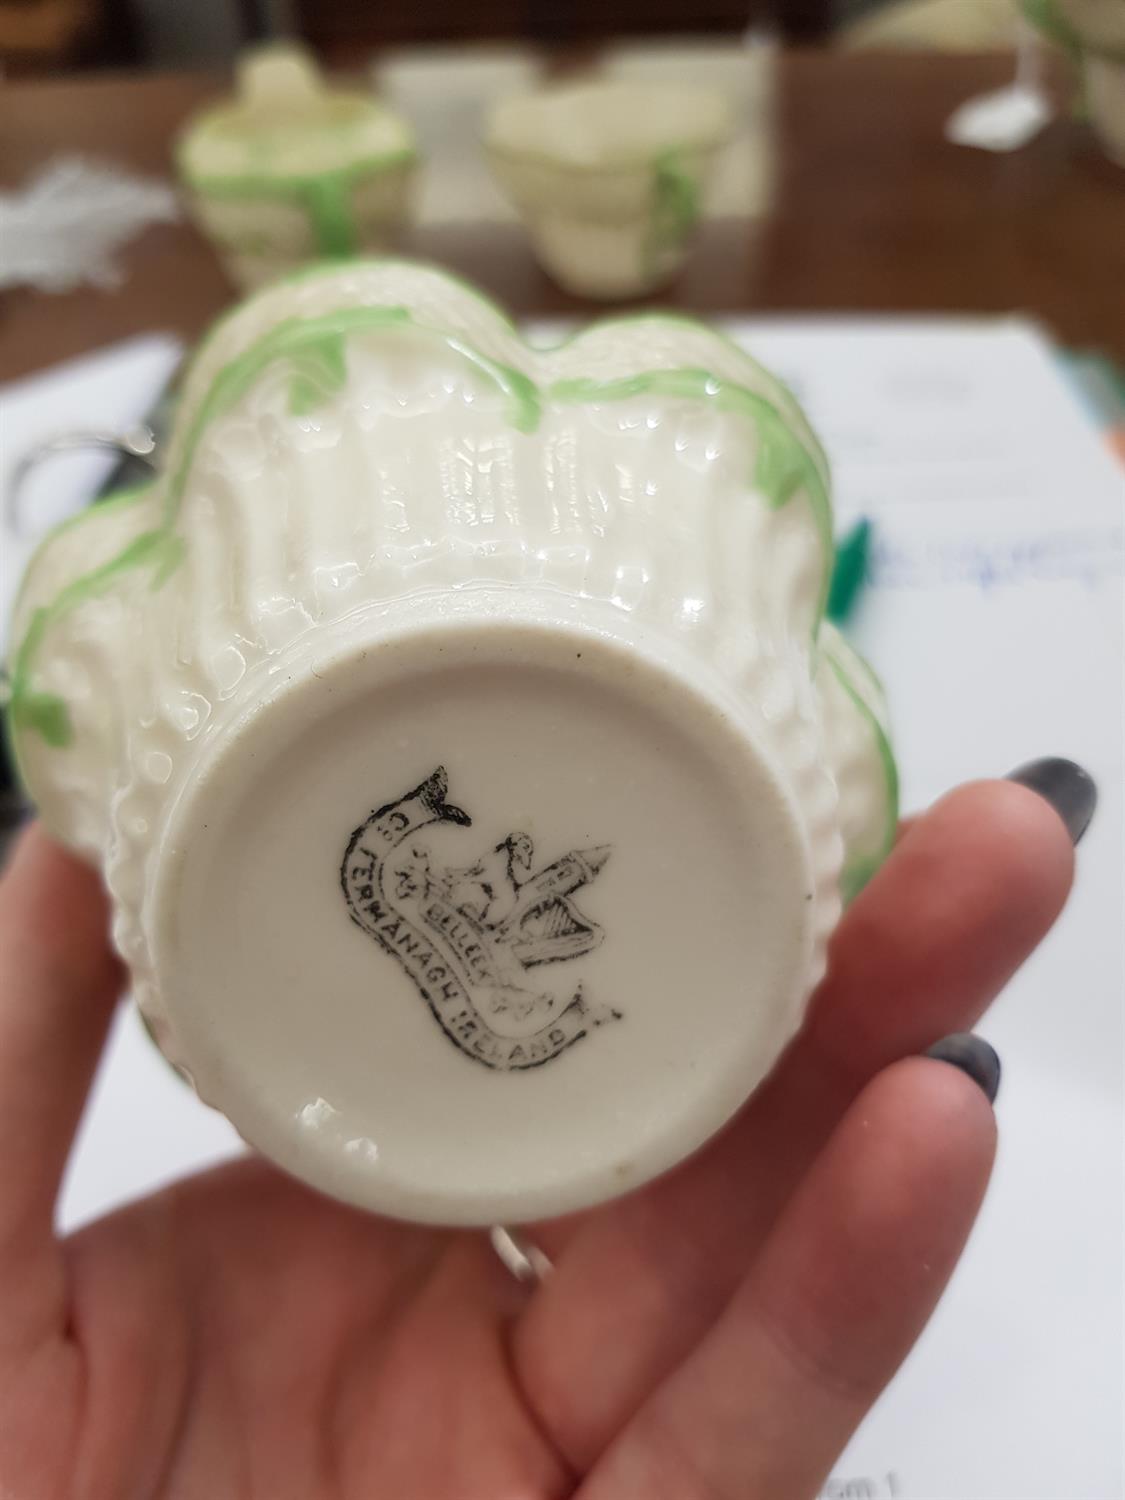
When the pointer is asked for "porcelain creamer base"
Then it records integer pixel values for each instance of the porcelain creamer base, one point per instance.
(480, 799)
(455, 725)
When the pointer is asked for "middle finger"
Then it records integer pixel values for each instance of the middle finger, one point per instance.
(959, 905)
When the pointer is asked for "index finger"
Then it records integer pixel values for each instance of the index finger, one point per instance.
(58, 983)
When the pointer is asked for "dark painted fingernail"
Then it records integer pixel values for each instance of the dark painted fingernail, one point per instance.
(1067, 787)
(973, 1055)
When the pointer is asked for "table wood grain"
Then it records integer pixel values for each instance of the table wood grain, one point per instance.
(874, 212)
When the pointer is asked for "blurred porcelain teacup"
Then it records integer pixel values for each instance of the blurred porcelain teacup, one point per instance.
(292, 170)
(609, 177)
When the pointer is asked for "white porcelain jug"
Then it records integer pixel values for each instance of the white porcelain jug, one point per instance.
(457, 726)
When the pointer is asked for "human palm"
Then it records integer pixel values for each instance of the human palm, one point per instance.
(717, 1334)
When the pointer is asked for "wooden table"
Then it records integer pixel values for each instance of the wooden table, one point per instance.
(874, 211)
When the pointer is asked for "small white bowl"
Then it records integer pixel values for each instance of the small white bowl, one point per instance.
(291, 170)
(608, 176)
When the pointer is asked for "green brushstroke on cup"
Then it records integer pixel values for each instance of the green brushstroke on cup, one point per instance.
(315, 348)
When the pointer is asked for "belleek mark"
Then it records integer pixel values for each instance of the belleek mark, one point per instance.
(477, 939)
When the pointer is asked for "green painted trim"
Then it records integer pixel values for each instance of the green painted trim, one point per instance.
(45, 713)
(677, 196)
(325, 197)
(720, 336)
(859, 871)
(304, 336)
(315, 346)
(784, 464)
(296, 184)
(857, 874)
(119, 501)
(674, 209)
(317, 269)
(322, 373)
(575, 336)
(328, 203)
(385, 263)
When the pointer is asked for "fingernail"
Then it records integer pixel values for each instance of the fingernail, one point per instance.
(973, 1055)
(1067, 787)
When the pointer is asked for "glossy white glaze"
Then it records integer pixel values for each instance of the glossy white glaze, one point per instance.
(407, 550)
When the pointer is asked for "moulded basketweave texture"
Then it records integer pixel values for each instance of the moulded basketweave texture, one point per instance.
(548, 624)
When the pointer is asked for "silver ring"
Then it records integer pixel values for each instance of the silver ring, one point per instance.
(138, 442)
(526, 1261)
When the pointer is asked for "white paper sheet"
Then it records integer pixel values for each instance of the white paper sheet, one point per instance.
(995, 618)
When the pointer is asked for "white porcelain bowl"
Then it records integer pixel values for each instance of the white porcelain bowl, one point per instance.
(456, 724)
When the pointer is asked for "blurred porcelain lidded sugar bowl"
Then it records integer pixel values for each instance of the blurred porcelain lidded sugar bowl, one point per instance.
(292, 170)
(609, 177)
(456, 724)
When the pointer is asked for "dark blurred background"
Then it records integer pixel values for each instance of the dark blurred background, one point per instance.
(41, 36)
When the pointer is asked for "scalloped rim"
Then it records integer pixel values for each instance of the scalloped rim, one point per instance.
(788, 457)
